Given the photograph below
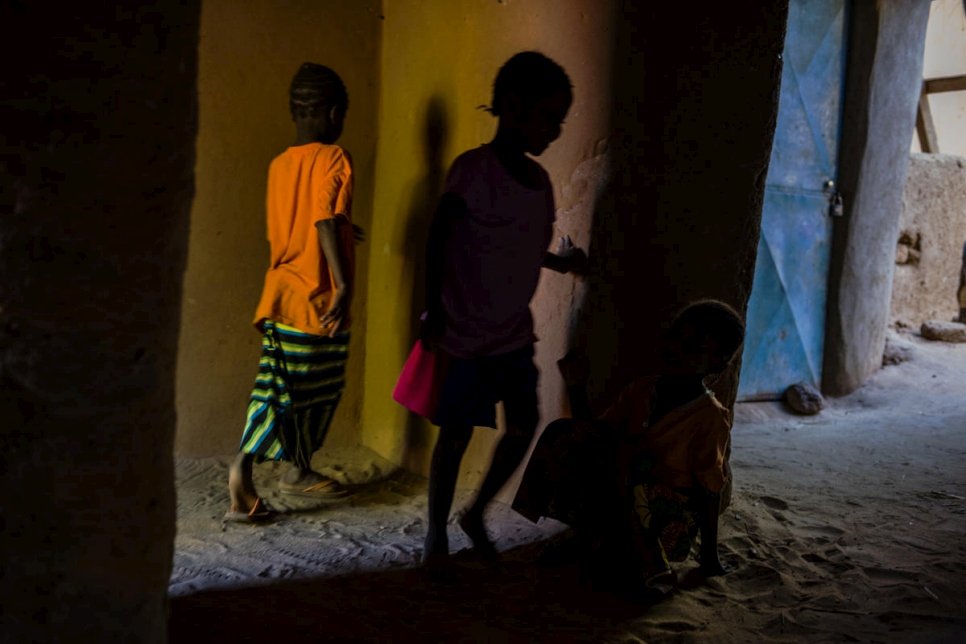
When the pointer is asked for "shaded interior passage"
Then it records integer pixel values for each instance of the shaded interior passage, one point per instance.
(843, 526)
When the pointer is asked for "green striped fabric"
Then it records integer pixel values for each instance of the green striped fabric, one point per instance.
(300, 380)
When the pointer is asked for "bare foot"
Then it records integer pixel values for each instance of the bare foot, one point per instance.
(472, 525)
(439, 568)
(298, 476)
(311, 484)
(436, 563)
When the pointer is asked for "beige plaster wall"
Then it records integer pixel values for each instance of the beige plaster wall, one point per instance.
(946, 56)
(439, 59)
(932, 234)
(248, 54)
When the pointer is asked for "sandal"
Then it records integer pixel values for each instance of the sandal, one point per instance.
(325, 489)
(260, 512)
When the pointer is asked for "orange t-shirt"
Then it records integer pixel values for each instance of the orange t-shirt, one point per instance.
(689, 444)
(306, 184)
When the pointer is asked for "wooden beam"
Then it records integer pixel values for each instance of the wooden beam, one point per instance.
(945, 84)
(924, 124)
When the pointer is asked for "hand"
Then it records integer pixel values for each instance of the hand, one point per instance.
(334, 317)
(358, 234)
(565, 247)
(574, 368)
(575, 259)
(431, 329)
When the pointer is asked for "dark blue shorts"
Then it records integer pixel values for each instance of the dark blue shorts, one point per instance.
(473, 386)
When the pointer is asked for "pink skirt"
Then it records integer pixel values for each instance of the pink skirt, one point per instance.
(420, 382)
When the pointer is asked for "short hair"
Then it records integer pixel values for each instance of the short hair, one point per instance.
(314, 88)
(713, 318)
(531, 76)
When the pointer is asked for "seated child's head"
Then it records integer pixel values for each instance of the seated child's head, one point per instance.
(702, 339)
(318, 99)
(531, 95)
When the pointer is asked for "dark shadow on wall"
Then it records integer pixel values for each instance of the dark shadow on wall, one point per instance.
(694, 109)
(425, 194)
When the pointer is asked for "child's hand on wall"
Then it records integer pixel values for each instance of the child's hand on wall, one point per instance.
(575, 258)
(431, 328)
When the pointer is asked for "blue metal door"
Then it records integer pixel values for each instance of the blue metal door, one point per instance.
(786, 311)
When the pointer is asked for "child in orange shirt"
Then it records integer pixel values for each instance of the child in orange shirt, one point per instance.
(639, 484)
(303, 313)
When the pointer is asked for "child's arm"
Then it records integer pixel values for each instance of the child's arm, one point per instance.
(567, 259)
(342, 288)
(451, 207)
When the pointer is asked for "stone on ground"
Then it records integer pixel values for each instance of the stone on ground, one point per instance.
(944, 331)
(804, 399)
(897, 350)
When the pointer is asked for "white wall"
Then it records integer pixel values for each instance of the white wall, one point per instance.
(946, 56)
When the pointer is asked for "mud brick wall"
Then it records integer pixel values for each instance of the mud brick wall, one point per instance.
(932, 232)
(97, 179)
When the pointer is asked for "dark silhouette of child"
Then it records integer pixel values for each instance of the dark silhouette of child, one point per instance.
(639, 483)
(487, 244)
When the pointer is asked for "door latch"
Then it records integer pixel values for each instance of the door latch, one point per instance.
(836, 208)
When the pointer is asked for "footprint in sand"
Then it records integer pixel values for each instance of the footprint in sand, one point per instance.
(881, 577)
(764, 575)
(773, 503)
(832, 566)
(674, 626)
(823, 534)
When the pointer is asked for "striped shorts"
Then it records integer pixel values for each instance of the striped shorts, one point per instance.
(300, 380)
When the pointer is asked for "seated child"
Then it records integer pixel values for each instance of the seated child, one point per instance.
(638, 484)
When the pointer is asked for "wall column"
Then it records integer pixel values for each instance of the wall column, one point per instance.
(886, 42)
(97, 181)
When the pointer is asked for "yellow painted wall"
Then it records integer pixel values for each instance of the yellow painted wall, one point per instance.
(945, 55)
(249, 51)
(417, 71)
(439, 59)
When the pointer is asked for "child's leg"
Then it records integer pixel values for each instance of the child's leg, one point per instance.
(312, 373)
(443, 472)
(708, 526)
(311, 426)
(521, 424)
(241, 487)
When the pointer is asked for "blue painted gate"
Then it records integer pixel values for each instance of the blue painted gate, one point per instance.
(786, 311)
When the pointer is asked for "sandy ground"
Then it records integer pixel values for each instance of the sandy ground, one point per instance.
(846, 526)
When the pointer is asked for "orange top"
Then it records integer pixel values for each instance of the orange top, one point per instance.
(306, 184)
(689, 444)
